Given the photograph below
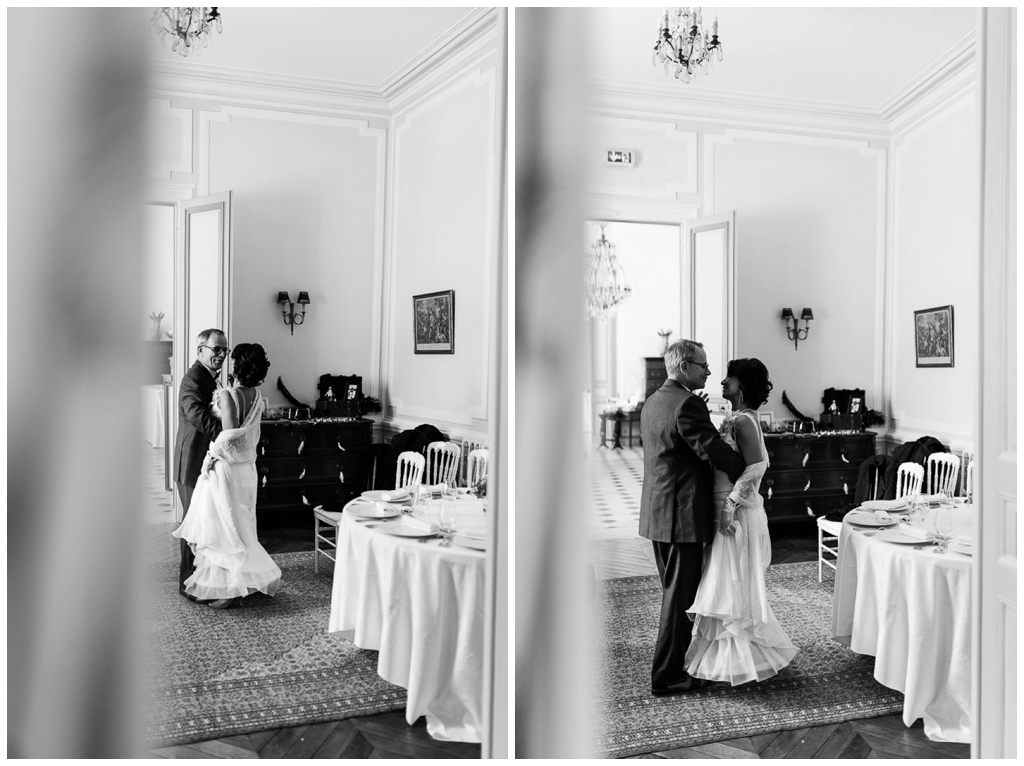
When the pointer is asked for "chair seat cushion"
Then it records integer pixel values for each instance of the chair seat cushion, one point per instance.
(830, 527)
(329, 517)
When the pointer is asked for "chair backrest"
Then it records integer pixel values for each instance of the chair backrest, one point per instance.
(966, 458)
(908, 479)
(476, 466)
(443, 463)
(468, 445)
(410, 469)
(376, 455)
(943, 469)
(969, 479)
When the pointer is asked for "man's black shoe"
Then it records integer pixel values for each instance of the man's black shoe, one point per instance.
(688, 684)
(181, 591)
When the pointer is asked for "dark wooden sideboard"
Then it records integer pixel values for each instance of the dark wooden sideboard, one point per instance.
(304, 463)
(812, 474)
(655, 374)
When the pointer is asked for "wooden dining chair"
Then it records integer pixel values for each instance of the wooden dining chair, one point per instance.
(969, 482)
(966, 458)
(476, 468)
(443, 463)
(943, 470)
(909, 478)
(410, 469)
(828, 544)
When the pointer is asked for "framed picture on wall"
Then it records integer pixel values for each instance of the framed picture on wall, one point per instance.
(933, 337)
(433, 323)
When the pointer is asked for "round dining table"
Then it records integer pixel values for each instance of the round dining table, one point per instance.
(421, 606)
(910, 607)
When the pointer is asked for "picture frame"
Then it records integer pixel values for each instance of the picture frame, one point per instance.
(433, 323)
(766, 419)
(856, 404)
(933, 337)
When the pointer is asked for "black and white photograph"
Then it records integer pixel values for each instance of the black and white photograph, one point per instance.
(260, 505)
(246, 521)
(749, 592)
(933, 337)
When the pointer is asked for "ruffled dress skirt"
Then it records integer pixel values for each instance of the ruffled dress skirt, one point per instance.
(736, 637)
(220, 526)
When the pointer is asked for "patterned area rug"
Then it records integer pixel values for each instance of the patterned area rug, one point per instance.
(825, 683)
(268, 663)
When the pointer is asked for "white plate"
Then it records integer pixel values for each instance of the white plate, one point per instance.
(885, 505)
(895, 536)
(471, 542)
(868, 519)
(369, 511)
(394, 496)
(400, 530)
(958, 547)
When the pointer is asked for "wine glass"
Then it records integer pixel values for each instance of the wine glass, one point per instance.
(943, 527)
(449, 492)
(447, 521)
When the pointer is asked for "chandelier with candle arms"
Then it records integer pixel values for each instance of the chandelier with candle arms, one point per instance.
(605, 280)
(685, 49)
(189, 28)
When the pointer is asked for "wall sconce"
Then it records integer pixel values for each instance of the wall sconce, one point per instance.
(288, 313)
(793, 331)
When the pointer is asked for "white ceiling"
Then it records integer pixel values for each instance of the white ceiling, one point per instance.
(361, 46)
(857, 57)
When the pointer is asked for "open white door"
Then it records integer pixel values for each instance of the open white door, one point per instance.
(995, 563)
(202, 284)
(708, 290)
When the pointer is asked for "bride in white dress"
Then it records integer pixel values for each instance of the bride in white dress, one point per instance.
(220, 525)
(736, 637)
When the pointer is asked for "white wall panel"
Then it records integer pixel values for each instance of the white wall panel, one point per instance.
(306, 194)
(442, 239)
(935, 264)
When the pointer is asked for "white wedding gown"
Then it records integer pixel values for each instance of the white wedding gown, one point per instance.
(220, 524)
(736, 637)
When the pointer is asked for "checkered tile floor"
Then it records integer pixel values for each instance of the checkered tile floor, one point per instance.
(158, 505)
(614, 478)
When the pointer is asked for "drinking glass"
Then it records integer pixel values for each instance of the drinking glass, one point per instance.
(449, 492)
(943, 527)
(447, 521)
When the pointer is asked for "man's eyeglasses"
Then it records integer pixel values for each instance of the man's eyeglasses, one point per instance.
(217, 350)
(702, 364)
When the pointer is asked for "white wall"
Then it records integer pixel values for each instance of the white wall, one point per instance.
(935, 263)
(442, 238)
(809, 224)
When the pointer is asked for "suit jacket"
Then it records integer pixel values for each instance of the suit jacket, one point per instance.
(197, 425)
(677, 502)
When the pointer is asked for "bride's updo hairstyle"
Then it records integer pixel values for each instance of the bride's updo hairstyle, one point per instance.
(250, 364)
(752, 376)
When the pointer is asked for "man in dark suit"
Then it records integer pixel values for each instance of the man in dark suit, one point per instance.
(681, 450)
(197, 427)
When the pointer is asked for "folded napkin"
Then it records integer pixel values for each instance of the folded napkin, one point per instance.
(419, 524)
(918, 533)
(475, 532)
(395, 495)
(965, 539)
(883, 517)
(885, 505)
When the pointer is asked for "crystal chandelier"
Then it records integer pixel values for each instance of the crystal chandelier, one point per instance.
(683, 47)
(605, 280)
(190, 28)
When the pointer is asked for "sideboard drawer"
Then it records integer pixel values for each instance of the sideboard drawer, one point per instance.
(829, 479)
(810, 475)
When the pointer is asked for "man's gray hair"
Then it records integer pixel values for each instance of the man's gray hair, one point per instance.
(679, 352)
(204, 336)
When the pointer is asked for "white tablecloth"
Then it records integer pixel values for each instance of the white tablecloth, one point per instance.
(422, 607)
(153, 415)
(911, 610)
